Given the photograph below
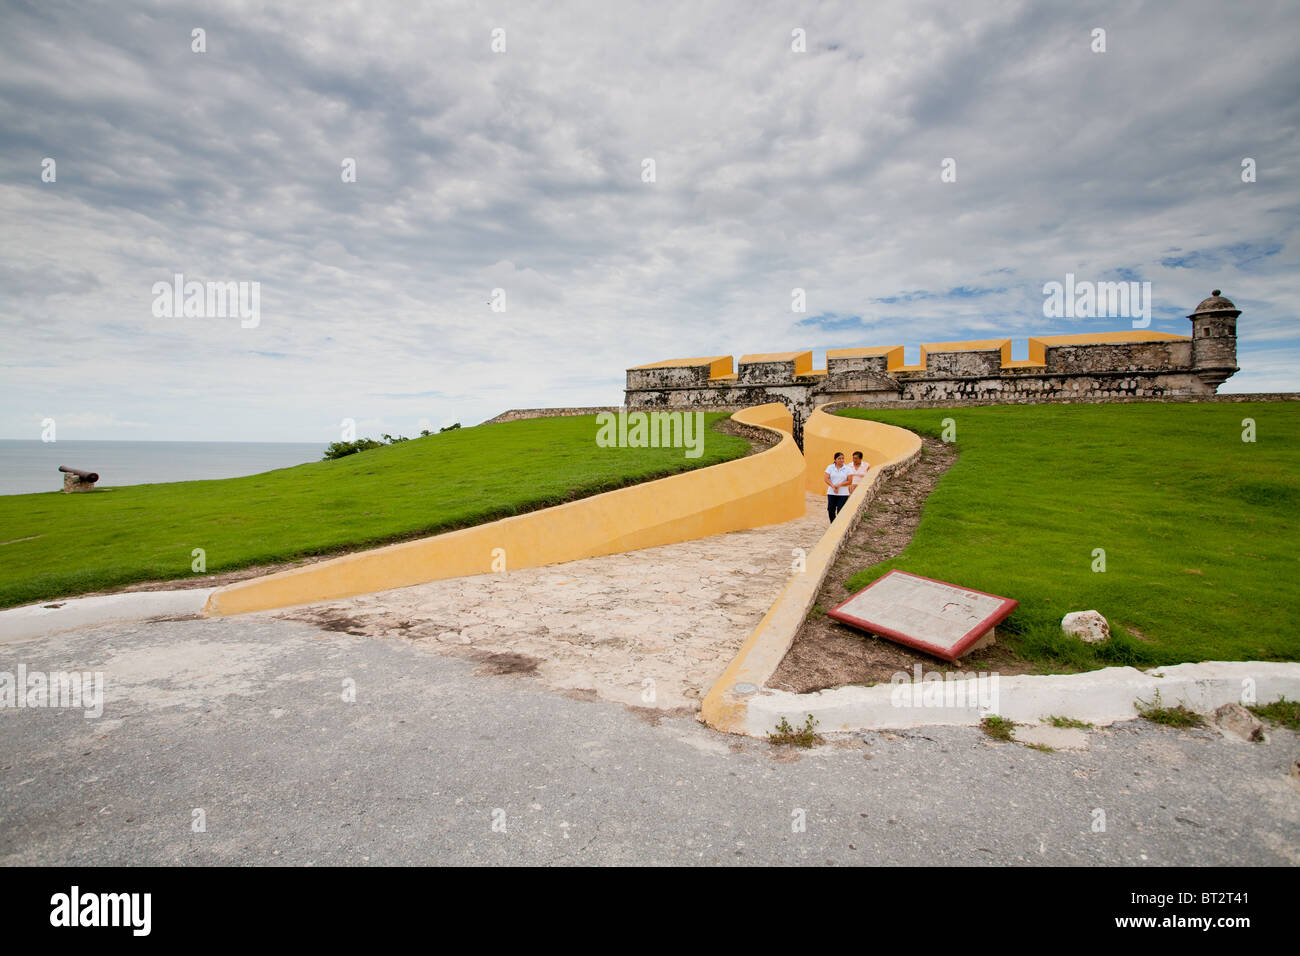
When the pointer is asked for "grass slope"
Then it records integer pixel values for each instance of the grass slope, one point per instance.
(1199, 527)
(116, 536)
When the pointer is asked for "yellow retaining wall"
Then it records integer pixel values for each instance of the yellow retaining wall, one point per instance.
(761, 489)
(888, 449)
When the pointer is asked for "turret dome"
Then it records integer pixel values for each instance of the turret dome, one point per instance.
(1215, 303)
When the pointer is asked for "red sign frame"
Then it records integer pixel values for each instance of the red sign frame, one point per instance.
(949, 654)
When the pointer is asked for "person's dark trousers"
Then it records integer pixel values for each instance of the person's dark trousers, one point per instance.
(834, 503)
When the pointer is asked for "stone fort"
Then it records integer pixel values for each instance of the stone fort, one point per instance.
(1100, 366)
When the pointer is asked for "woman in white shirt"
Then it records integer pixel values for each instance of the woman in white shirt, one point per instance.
(839, 485)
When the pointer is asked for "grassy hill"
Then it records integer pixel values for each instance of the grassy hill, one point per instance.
(1199, 528)
(54, 545)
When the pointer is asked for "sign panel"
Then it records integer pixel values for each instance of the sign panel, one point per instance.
(932, 616)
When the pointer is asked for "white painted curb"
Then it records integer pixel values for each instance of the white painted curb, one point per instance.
(37, 620)
(1097, 697)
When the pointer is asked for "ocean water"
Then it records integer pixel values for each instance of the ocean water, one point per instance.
(28, 466)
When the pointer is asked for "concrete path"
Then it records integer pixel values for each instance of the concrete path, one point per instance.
(67, 614)
(245, 719)
(654, 627)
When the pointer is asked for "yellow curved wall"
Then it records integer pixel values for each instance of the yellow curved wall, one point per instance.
(761, 489)
(824, 435)
(775, 416)
(725, 707)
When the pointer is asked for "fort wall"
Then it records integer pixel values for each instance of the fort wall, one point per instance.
(1101, 366)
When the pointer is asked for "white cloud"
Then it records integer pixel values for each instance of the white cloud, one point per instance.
(522, 171)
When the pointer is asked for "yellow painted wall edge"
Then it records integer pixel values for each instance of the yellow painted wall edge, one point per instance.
(824, 435)
(725, 706)
(761, 489)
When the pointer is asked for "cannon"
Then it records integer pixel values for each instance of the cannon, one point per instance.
(74, 479)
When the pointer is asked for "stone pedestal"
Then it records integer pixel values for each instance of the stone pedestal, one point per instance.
(73, 483)
(988, 640)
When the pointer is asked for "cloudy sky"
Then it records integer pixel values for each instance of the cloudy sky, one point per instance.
(522, 170)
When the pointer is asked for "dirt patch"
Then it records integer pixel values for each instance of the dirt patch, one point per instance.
(827, 654)
(652, 715)
(330, 619)
(778, 754)
(507, 663)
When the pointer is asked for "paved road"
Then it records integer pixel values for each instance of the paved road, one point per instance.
(244, 719)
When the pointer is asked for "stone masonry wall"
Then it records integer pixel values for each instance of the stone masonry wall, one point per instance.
(516, 414)
(870, 402)
(1022, 388)
(1088, 370)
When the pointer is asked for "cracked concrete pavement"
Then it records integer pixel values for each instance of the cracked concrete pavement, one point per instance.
(661, 622)
(246, 720)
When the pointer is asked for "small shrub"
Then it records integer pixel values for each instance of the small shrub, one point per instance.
(341, 449)
(1157, 713)
(1281, 711)
(1068, 722)
(999, 728)
(805, 736)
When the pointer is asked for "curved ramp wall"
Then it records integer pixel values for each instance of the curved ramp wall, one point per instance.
(824, 434)
(888, 449)
(761, 489)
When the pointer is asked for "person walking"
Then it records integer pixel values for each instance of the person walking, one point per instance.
(839, 485)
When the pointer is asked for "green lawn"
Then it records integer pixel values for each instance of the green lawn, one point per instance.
(116, 536)
(1199, 528)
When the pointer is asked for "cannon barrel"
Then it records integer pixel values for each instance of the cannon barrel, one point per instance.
(83, 475)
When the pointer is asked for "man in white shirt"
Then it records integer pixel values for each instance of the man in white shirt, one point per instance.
(860, 469)
(839, 485)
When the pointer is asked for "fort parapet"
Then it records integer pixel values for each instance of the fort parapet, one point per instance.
(1096, 366)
